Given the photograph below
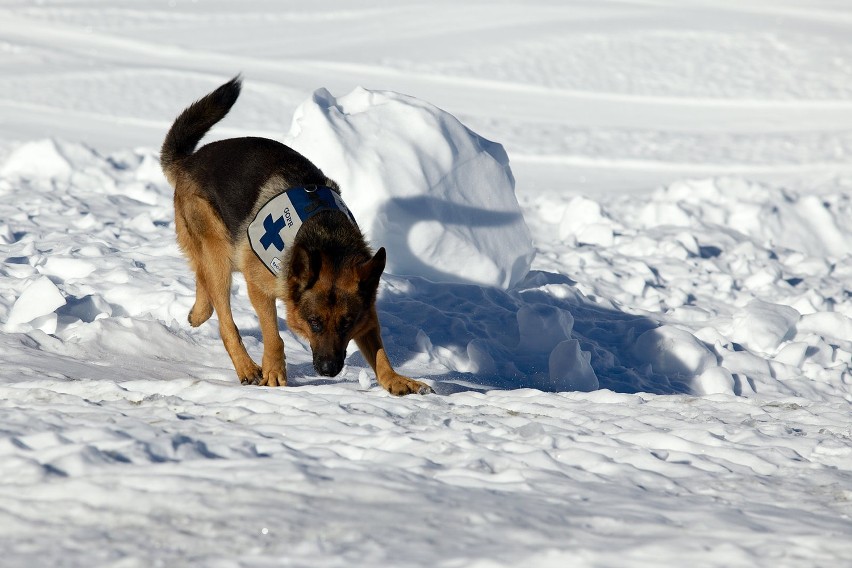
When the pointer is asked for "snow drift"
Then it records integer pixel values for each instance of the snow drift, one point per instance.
(438, 196)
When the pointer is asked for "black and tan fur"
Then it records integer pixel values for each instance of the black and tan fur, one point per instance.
(330, 277)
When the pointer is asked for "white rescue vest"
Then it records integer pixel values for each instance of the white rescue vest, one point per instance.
(276, 224)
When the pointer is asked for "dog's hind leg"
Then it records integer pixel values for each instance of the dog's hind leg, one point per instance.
(204, 237)
(274, 365)
(203, 307)
(217, 281)
(191, 223)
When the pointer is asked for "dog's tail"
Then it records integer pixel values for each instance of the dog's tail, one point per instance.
(194, 122)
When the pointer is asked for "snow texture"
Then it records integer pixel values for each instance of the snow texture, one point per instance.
(634, 305)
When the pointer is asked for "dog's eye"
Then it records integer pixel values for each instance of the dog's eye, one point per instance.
(316, 325)
(346, 323)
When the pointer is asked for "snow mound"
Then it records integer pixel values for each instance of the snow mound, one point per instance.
(763, 326)
(583, 220)
(438, 196)
(40, 158)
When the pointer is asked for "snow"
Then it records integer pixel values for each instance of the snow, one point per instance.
(665, 382)
(440, 196)
(36, 305)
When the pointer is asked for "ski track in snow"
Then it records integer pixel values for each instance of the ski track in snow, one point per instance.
(684, 170)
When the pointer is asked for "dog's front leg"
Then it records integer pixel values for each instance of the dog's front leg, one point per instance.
(370, 344)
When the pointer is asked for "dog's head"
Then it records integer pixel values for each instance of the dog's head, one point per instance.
(330, 301)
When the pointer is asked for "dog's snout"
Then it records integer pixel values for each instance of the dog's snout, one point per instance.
(328, 367)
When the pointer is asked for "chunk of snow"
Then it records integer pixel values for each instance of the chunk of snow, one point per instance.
(714, 380)
(438, 196)
(597, 234)
(46, 323)
(579, 214)
(764, 326)
(41, 298)
(793, 354)
(830, 325)
(673, 351)
(67, 268)
(570, 369)
(542, 327)
(363, 379)
(6, 234)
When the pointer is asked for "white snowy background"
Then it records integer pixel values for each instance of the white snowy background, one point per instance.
(684, 169)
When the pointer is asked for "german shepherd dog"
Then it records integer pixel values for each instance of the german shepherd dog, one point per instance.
(328, 275)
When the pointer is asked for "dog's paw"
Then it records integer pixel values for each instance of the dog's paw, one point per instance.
(399, 385)
(199, 313)
(274, 378)
(251, 375)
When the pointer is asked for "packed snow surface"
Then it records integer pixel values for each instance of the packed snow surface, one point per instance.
(662, 378)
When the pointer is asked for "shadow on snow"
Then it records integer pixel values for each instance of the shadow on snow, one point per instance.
(492, 339)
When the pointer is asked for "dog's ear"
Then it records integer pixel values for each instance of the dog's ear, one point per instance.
(370, 271)
(304, 268)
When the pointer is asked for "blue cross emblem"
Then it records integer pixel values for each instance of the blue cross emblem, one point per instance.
(272, 235)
